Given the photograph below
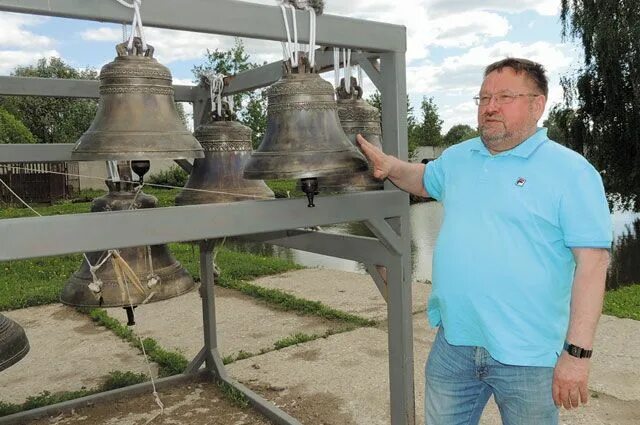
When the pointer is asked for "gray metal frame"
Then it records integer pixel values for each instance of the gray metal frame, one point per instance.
(386, 212)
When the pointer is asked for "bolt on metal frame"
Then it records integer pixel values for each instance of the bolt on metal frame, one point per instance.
(278, 222)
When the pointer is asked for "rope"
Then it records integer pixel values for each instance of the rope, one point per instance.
(165, 186)
(291, 50)
(136, 25)
(346, 59)
(312, 35)
(216, 85)
(336, 66)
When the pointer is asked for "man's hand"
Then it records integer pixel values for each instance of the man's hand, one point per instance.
(379, 161)
(570, 379)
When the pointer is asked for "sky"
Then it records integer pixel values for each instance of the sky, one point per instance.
(449, 42)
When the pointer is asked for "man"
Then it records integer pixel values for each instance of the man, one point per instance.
(520, 262)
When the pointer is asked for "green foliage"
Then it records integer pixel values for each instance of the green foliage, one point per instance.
(623, 302)
(174, 176)
(298, 338)
(52, 120)
(285, 188)
(251, 107)
(559, 126)
(428, 130)
(234, 395)
(13, 130)
(459, 133)
(605, 91)
(118, 379)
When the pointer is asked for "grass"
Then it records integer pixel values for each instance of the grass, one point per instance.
(115, 379)
(623, 302)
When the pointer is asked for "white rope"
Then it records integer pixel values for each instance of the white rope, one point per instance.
(312, 35)
(165, 186)
(216, 85)
(346, 59)
(136, 25)
(291, 48)
(359, 68)
(336, 66)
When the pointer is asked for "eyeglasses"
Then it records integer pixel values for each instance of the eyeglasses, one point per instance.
(502, 98)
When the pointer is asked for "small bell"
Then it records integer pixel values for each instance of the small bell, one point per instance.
(218, 176)
(14, 344)
(303, 138)
(136, 117)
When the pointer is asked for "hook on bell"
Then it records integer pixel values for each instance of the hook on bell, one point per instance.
(136, 117)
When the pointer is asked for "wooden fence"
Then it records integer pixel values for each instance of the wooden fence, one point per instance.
(39, 182)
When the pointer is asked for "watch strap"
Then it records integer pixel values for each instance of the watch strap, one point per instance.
(575, 351)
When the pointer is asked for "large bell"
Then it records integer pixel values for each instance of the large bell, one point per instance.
(137, 117)
(303, 138)
(218, 176)
(13, 342)
(161, 275)
(357, 116)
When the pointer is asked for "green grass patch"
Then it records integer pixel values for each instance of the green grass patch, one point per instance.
(169, 362)
(234, 395)
(298, 338)
(623, 302)
(115, 379)
(285, 188)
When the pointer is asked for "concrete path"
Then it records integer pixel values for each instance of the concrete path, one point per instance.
(341, 379)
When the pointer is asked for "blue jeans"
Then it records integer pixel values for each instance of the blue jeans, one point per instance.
(461, 379)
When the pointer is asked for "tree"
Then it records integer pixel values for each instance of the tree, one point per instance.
(52, 120)
(428, 130)
(606, 90)
(559, 126)
(376, 100)
(459, 133)
(12, 130)
(251, 107)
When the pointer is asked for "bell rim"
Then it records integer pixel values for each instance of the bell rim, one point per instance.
(19, 336)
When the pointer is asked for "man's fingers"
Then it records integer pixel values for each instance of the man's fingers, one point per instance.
(574, 397)
(584, 394)
(555, 391)
(566, 401)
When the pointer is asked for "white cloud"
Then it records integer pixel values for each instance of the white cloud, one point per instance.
(10, 59)
(171, 46)
(445, 7)
(13, 33)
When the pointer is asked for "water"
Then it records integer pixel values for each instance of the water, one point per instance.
(426, 219)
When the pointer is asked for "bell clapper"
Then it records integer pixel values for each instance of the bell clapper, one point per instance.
(140, 167)
(310, 187)
(130, 316)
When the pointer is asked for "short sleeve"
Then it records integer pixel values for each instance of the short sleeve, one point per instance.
(433, 178)
(585, 219)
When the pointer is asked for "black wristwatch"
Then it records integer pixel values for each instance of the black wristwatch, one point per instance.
(575, 351)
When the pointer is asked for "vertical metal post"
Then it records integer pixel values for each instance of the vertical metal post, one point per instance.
(394, 127)
(213, 362)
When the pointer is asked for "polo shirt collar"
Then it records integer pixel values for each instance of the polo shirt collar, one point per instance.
(523, 150)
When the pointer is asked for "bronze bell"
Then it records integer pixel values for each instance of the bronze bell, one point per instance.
(227, 148)
(136, 117)
(160, 274)
(357, 116)
(14, 344)
(303, 138)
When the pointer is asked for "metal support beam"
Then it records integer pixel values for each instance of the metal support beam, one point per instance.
(40, 236)
(370, 67)
(37, 152)
(355, 248)
(60, 87)
(236, 18)
(184, 164)
(381, 283)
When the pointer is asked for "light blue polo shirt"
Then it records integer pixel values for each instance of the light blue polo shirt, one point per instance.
(502, 265)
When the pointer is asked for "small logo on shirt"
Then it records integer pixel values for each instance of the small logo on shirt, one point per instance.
(521, 181)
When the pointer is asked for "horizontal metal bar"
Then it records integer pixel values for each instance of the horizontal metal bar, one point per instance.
(185, 164)
(38, 152)
(59, 87)
(356, 248)
(64, 234)
(276, 415)
(29, 415)
(225, 17)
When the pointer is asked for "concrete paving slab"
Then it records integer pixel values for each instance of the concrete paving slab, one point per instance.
(350, 370)
(346, 291)
(616, 359)
(243, 323)
(68, 352)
